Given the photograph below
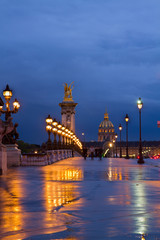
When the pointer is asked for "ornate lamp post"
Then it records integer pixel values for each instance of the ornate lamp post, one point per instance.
(59, 134)
(66, 130)
(54, 130)
(83, 140)
(120, 129)
(69, 138)
(116, 136)
(114, 143)
(63, 135)
(63, 143)
(49, 121)
(127, 119)
(140, 105)
(7, 93)
(59, 126)
(111, 145)
(1, 104)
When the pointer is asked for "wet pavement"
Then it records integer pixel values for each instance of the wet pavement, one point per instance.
(81, 199)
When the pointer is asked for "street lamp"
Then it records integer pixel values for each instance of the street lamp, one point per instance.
(127, 120)
(59, 134)
(120, 129)
(54, 130)
(116, 136)
(49, 121)
(54, 123)
(59, 131)
(83, 140)
(1, 104)
(63, 134)
(7, 93)
(140, 105)
(111, 145)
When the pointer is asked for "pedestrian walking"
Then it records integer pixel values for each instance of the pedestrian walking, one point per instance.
(92, 152)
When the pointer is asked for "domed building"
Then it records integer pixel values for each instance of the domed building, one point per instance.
(106, 130)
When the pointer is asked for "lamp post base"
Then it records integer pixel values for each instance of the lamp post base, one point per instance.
(127, 157)
(49, 145)
(140, 161)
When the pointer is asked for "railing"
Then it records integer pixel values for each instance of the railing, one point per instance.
(43, 159)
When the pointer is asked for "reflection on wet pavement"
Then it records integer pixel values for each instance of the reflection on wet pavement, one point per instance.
(81, 199)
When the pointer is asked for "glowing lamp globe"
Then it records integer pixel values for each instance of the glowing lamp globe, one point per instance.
(49, 120)
(120, 127)
(54, 130)
(126, 118)
(59, 125)
(139, 103)
(48, 128)
(7, 93)
(54, 123)
(16, 104)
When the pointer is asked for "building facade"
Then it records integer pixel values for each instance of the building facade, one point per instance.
(106, 130)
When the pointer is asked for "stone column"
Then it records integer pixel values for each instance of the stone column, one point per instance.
(73, 122)
(3, 159)
(68, 114)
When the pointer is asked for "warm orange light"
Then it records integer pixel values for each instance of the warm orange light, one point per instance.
(120, 127)
(126, 118)
(54, 123)
(59, 125)
(54, 130)
(142, 238)
(63, 128)
(110, 144)
(59, 131)
(16, 104)
(49, 120)
(7, 93)
(48, 128)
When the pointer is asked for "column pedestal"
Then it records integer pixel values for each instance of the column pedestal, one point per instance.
(3, 159)
(13, 155)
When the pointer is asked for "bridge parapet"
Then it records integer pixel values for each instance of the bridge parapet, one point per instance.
(43, 159)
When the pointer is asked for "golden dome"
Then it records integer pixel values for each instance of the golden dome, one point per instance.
(106, 124)
(106, 129)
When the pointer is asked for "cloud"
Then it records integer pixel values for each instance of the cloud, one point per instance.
(110, 49)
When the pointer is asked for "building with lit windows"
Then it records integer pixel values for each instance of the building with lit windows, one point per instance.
(106, 130)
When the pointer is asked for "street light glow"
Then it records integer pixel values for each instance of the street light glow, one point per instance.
(139, 103)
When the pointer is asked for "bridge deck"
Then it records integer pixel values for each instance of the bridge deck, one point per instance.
(81, 199)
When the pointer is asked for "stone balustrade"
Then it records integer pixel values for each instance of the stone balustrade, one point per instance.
(43, 159)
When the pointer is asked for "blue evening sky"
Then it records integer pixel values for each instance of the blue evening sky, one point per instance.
(109, 48)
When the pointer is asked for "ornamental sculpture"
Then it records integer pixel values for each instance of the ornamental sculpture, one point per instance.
(5, 128)
(9, 137)
(68, 91)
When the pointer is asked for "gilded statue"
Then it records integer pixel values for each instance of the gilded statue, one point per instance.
(68, 91)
